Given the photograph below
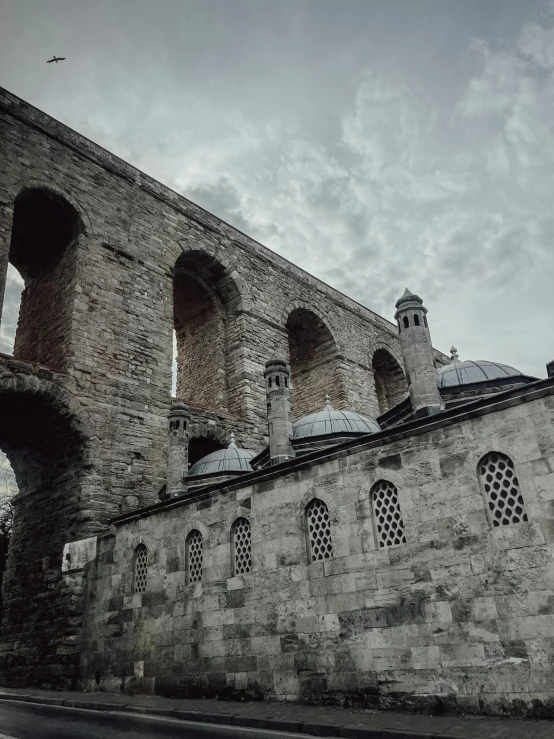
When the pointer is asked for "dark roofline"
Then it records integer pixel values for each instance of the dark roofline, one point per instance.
(417, 427)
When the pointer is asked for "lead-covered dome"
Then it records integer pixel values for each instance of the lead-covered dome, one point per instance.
(470, 372)
(230, 461)
(329, 422)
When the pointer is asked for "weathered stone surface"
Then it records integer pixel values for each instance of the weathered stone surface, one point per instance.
(422, 601)
(113, 262)
(461, 617)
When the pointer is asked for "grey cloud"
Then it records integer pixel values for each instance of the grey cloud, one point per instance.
(395, 143)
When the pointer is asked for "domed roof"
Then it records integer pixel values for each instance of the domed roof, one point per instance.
(470, 372)
(232, 460)
(329, 421)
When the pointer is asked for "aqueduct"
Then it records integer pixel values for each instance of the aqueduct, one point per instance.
(114, 263)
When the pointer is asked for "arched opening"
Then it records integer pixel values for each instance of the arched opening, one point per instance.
(201, 446)
(10, 309)
(390, 382)
(45, 228)
(204, 299)
(8, 488)
(44, 444)
(313, 363)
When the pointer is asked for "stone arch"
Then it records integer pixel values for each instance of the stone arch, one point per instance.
(44, 433)
(207, 298)
(314, 361)
(55, 187)
(46, 229)
(205, 439)
(390, 381)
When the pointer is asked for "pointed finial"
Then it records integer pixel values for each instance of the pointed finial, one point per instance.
(232, 442)
(454, 354)
(327, 401)
(406, 293)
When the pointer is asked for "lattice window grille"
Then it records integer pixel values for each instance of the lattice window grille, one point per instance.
(194, 556)
(387, 515)
(501, 488)
(242, 547)
(141, 568)
(319, 530)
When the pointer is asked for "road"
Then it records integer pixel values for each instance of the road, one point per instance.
(28, 721)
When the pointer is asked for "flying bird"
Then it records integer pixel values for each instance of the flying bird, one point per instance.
(56, 59)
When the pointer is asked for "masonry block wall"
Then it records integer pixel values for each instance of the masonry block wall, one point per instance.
(421, 601)
(100, 313)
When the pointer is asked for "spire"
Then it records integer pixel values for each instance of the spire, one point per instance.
(409, 298)
(328, 401)
(232, 444)
(454, 354)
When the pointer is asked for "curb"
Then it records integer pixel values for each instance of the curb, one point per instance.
(298, 727)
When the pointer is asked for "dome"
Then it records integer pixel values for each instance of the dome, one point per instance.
(329, 421)
(228, 461)
(470, 372)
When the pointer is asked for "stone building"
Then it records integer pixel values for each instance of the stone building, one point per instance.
(331, 511)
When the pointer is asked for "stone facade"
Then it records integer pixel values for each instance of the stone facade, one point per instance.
(111, 260)
(457, 616)
(403, 568)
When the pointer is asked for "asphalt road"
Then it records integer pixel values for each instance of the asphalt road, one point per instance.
(28, 721)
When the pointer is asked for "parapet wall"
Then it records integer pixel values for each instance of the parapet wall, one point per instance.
(457, 616)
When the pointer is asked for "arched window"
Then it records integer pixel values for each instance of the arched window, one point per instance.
(500, 486)
(241, 545)
(416, 319)
(405, 322)
(320, 545)
(140, 569)
(386, 514)
(194, 557)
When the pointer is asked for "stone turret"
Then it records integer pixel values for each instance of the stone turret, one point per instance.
(279, 419)
(417, 351)
(178, 453)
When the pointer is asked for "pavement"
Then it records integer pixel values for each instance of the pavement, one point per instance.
(291, 717)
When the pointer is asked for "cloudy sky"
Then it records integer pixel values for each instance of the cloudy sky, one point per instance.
(376, 143)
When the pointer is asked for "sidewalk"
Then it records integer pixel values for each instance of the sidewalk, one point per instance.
(315, 720)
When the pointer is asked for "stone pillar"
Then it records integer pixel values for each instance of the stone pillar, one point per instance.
(6, 215)
(417, 352)
(178, 452)
(279, 419)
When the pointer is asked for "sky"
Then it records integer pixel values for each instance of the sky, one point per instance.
(378, 144)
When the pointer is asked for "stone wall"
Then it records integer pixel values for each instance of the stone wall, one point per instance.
(101, 315)
(458, 616)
